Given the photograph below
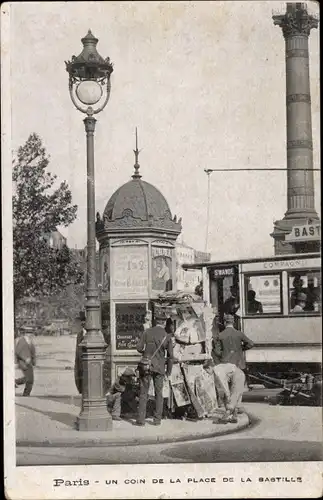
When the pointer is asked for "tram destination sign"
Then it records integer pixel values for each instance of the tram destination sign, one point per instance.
(222, 272)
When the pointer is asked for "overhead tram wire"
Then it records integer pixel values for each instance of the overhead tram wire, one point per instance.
(210, 170)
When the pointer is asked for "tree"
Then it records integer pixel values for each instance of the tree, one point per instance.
(39, 209)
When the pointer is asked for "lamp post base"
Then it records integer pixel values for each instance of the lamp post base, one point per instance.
(95, 419)
(94, 415)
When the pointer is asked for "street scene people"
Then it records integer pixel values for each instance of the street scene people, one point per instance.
(25, 355)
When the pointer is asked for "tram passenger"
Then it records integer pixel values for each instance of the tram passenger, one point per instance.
(231, 305)
(297, 289)
(229, 381)
(253, 306)
(300, 303)
(312, 296)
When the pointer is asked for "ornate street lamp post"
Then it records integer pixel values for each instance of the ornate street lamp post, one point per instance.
(89, 86)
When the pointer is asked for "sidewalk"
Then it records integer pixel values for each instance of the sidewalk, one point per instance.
(50, 421)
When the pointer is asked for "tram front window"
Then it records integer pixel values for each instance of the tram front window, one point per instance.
(263, 294)
(304, 292)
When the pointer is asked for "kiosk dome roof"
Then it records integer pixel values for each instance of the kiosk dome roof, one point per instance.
(143, 199)
(138, 204)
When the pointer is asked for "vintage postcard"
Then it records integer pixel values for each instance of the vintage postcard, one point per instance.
(161, 249)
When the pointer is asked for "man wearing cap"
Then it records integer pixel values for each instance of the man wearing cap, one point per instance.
(233, 343)
(300, 303)
(25, 354)
(154, 343)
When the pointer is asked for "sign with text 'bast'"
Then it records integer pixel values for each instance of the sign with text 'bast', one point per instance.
(130, 271)
(308, 232)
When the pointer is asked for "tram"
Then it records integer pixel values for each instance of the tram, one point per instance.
(288, 339)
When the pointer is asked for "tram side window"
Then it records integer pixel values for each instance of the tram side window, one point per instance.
(263, 294)
(304, 292)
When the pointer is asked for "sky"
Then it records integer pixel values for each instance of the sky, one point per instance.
(204, 82)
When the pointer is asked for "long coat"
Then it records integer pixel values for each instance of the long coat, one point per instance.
(78, 369)
(233, 343)
(25, 353)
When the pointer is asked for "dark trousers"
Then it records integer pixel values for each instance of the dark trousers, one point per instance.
(144, 382)
(27, 379)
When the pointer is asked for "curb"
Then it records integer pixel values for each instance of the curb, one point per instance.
(126, 441)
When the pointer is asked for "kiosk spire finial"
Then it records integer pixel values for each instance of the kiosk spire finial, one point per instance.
(136, 174)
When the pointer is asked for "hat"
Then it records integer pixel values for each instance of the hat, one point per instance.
(301, 297)
(228, 317)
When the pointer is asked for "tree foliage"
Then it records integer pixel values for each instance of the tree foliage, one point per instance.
(39, 208)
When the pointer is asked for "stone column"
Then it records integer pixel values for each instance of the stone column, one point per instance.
(296, 25)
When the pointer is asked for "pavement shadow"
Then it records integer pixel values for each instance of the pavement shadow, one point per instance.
(246, 450)
(70, 400)
(64, 418)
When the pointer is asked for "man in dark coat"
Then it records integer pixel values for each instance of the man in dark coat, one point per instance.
(231, 305)
(78, 368)
(25, 354)
(150, 340)
(233, 343)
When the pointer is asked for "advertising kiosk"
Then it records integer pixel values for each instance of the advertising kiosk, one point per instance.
(137, 235)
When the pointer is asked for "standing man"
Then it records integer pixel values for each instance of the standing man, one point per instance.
(78, 368)
(25, 354)
(229, 381)
(233, 343)
(154, 343)
(231, 305)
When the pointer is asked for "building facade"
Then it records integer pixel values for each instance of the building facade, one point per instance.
(188, 279)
